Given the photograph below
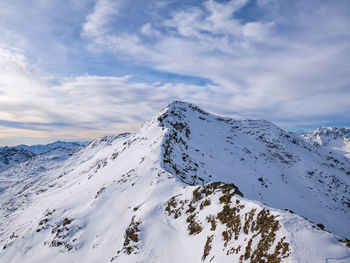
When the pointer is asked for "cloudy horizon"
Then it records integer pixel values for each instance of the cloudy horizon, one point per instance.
(83, 69)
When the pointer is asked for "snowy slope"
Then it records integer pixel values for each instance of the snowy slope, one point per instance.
(265, 162)
(127, 198)
(333, 138)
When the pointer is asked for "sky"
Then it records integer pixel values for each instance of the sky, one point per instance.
(81, 69)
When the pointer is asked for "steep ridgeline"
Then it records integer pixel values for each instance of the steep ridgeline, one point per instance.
(152, 196)
(265, 162)
(335, 139)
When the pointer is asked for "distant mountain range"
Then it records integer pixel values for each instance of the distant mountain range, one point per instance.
(333, 138)
(18, 154)
(189, 186)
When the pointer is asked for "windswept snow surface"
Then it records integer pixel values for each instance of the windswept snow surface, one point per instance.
(150, 197)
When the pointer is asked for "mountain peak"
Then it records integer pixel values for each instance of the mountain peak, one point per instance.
(333, 138)
(179, 103)
(329, 130)
(184, 106)
(262, 159)
(179, 180)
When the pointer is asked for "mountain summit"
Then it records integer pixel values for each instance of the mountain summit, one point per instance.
(335, 139)
(189, 186)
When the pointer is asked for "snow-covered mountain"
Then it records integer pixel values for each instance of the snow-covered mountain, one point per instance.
(28, 169)
(333, 138)
(187, 187)
(10, 156)
(39, 148)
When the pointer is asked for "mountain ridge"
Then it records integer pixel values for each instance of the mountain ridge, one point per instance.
(332, 138)
(10, 156)
(256, 148)
(137, 198)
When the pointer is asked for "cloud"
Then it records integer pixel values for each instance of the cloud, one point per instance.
(147, 30)
(78, 107)
(289, 62)
(258, 31)
(98, 21)
(47, 32)
(90, 68)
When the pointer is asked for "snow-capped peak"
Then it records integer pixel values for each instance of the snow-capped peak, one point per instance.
(173, 192)
(333, 138)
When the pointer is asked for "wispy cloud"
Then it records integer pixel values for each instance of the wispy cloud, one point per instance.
(98, 21)
(83, 70)
(78, 107)
(281, 66)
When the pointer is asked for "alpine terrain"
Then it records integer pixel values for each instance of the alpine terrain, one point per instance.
(189, 186)
(336, 139)
(21, 153)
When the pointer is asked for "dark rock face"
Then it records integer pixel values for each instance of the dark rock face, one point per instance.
(239, 226)
(254, 154)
